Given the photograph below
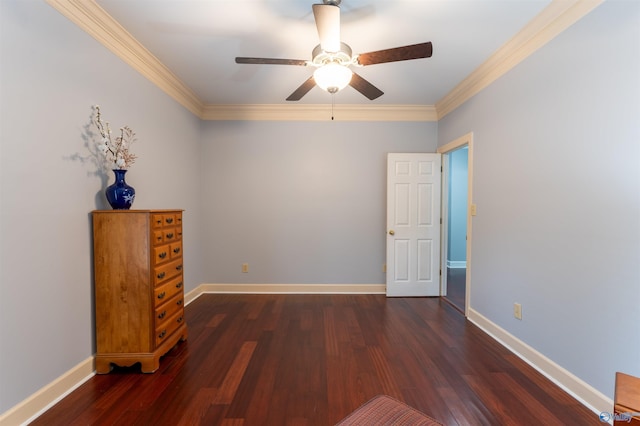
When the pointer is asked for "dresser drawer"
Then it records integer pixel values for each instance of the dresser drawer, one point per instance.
(158, 237)
(163, 312)
(176, 250)
(169, 220)
(164, 292)
(166, 271)
(170, 234)
(157, 220)
(162, 254)
(168, 327)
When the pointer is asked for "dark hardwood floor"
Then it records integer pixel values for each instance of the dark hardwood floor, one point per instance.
(312, 359)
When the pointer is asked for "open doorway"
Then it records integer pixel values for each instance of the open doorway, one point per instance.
(457, 161)
(456, 222)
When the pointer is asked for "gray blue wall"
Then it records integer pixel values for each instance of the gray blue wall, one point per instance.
(300, 202)
(52, 72)
(557, 187)
(457, 209)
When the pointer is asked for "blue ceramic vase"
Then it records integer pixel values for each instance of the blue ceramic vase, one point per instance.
(120, 195)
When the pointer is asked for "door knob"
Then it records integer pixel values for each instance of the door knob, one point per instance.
(392, 232)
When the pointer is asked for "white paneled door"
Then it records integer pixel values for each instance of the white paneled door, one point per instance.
(413, 224)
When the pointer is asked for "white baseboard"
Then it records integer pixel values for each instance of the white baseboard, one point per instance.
(48, 396)
(583, 392)
(285, 289)
(456, 264)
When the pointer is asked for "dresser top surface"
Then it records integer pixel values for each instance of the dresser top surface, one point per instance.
(138, 211)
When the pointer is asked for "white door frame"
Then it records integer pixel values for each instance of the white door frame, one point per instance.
(444, 149)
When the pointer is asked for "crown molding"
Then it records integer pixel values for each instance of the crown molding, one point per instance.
(296, 112)
(93, 19)
(554, 19)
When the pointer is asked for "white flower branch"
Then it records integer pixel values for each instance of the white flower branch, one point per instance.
(115, 151)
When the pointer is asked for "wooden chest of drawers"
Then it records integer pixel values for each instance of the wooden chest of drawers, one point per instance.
(626, 400)
(139, 296)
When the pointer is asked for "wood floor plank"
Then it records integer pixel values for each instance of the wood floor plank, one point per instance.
(216, 320)
(231, 381)
(532, 405)
(199, 406)
(384, 372)
(231, 422)
(253, 395)
(312, 359)
(330, 332)
(458, 409)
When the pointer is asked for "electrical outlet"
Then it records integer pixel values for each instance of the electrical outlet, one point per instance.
(245, 267)
(384, 268)
(473, 210)
(517, 311)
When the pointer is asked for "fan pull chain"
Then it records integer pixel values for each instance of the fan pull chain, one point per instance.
(333, 101)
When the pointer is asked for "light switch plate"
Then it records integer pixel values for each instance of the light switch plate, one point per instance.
(517, 311)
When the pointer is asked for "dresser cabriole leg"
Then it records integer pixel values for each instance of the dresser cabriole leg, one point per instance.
(103, 366)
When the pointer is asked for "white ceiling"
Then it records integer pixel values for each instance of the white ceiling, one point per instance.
(199, 40)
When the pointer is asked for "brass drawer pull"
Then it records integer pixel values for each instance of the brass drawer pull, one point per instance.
(170, 235)
(170, 220)
(162, 334)
(179, 285)
(162, 314)
(179, 268)
(161, 275)
(162, 255)
(180, 320)
(179, 302)
(162, 295)
(176, 250)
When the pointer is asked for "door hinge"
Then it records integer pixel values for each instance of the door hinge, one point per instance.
(440, 271)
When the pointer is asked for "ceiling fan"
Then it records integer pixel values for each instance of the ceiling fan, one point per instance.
(333, 58)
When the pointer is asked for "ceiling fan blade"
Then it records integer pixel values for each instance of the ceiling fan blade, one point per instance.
(270, 61)
(364, 87)
(328, 24)
(302, 90)
(414, 51)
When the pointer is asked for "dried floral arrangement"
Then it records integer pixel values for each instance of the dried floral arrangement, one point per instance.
(115, 150)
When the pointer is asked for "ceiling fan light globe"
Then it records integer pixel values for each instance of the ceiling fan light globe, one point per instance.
(332, 77)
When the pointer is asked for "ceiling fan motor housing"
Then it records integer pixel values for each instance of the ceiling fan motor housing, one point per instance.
(342, 57)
